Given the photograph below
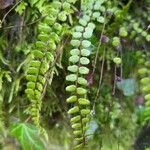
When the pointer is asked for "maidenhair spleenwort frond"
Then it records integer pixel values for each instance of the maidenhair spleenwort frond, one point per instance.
(78, 60)
(144, 73)
(50, 32)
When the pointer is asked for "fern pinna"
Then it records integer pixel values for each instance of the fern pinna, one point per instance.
(50, 32)
(144, 72)
(78, 61)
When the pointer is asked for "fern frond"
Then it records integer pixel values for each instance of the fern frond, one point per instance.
(78, 60)
(50, 32)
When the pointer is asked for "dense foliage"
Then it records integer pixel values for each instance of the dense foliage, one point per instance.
(74, 74)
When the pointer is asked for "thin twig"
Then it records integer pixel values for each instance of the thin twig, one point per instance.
(148, 28)
(121, 66)
(100, 42)
(115, 73)
(114, 84)
(100, 80)
(101, 75)
(96, 59)
(27, 119)
(10, 11)
(16, 26)
(21, 28)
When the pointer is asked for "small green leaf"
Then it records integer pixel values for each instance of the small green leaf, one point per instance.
(62, 16)
(144, 33)
(54, 36)
(35, 63)
(43, 70)
(44, 28)
(71, 88)
(97, 5)
(117, 60)
(96, 14)
(71, 99)
(83, 101)
(74, 59)
(8, 77)
(28, 136)
(21, 7)
(147, 112)
(79, 28)
(71, 77)
(148, 38)
(101, 19)
(79, 140)
(86, 18)
(29, 91)
(32, 70)
(73, 110)
(43, 37)
(81, 91)
(88, 34)
(41, 79)
(85, 120)
(86, 43)
(83, 22)
(75, 119)
(38, 54)
(102, 8)
(75, 43)
(57, 26)
(31, 85)
(123, 32)
(49, 56)
(83, 70)
(66, 6)
(45, 65)
(50, 20)
(76, 126)
(145, 80)
(147, 103)
(73, 68)
(31, 78)
(146, 89)
(52, 45)
(56, 4)
(74, 52)
(77, 34)
(147, 97)
(91, 25)
(77, 132)
(39, 87)
(116, 41)
(85, 52)
(37, 94)
(54, 11)
(142, 71)
(84, 61)
(85, 112)
(82, 81)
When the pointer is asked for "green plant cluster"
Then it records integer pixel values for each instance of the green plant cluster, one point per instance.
(76, 68)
